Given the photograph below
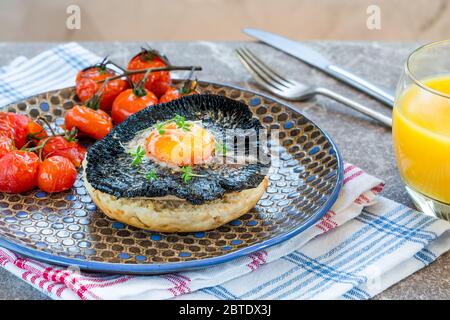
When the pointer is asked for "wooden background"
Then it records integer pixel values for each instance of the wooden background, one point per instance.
(45, 20)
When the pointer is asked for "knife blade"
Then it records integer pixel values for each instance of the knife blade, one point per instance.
(317, 60)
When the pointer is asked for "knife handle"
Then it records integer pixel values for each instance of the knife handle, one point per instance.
(387, 121)
(361, 85)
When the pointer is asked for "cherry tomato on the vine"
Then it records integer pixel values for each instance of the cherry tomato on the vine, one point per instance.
(94, 123)
(87, 85)
(56, 174)
(171, 94)
(20, 128)
(157, 82)
(174, 93)
(6, 145)
(14, 126)
(161, 84)
(18, 171)
(36, 132)
(131, 101)
(59, 146)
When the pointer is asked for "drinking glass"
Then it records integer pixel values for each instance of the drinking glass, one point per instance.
(421, 128)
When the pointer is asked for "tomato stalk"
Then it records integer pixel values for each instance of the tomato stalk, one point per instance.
(69, 135)
(39, 147)
(94, 102)
(139, 88)
(45, 121)
(190, 85)
(140, 71)
(102, 65)
(149, 54)
(24, 146)
(35, 135)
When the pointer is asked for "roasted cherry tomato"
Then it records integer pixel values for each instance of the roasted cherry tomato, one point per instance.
(174, 93)
(20, 128)
(36, 132)
(56, 174)
(157, 82)
(60, 146)
(18, 171)
(131, 101)
(94, 123)
(171, 94)
(161, 84)
(6, 145)
(87, 85)
(14, 126)
(6, 127)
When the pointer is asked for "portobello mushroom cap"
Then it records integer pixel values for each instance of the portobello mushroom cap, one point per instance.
(109, 169)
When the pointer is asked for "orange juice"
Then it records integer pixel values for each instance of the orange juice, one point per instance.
(421, 135)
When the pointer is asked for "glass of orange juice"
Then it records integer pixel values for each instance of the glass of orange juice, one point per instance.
(421, 128)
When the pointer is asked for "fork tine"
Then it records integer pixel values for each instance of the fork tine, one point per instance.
(262, 73)
(261, 78)
(271, 72)
(253, 73)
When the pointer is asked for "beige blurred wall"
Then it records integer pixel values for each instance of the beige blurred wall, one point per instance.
(43, 20)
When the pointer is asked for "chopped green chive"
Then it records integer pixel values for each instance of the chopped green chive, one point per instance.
(180, 121)
(187, 174)
(151, 175)
(160, 127)
(137, 155)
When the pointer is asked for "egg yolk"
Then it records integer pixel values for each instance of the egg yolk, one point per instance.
(180, 147)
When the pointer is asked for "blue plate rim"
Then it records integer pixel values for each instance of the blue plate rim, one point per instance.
(128, 268)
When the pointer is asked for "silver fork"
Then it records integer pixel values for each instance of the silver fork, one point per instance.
(296, 91)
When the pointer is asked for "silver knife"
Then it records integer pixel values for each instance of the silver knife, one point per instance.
(317, 60)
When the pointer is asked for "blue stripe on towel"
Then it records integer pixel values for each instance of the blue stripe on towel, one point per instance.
(219, 292)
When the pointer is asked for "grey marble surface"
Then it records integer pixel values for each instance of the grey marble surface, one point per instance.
(361, 141)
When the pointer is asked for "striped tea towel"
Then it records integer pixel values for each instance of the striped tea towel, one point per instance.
(363, 245)
(53, 69)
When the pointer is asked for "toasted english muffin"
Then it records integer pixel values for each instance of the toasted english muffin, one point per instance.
(177, 215)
